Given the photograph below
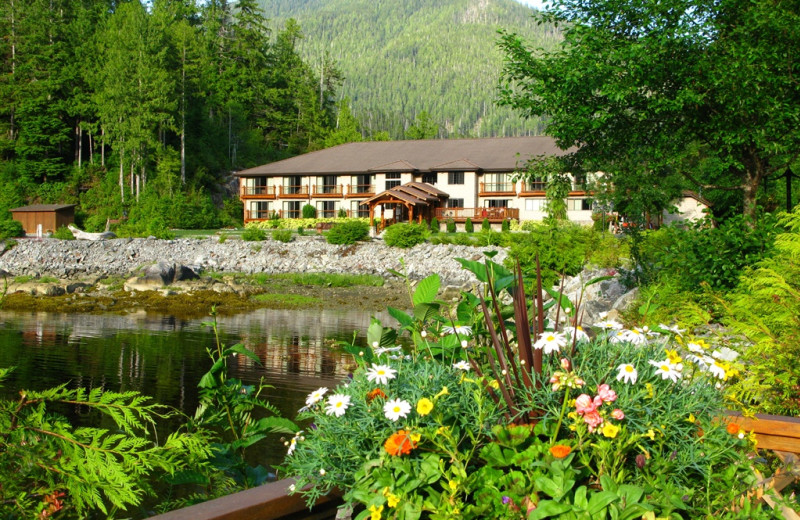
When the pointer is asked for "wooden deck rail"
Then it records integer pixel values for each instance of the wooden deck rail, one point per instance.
(476, 214)
(267, 502)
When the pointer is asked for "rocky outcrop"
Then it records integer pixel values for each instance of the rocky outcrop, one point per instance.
(151, 260)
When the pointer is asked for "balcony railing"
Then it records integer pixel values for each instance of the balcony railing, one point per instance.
(360, 190)
(497, 188)
(327, 190)
(535, 187)
(462, 214)
(293, 192)
(258, 192)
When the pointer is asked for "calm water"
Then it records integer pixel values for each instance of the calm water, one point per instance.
(164, 357)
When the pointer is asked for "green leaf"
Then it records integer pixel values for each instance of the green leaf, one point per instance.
(476, 268)
(402, 318)
(426, 311)
(426, 290)
(597, 280)
(548, 509)
(241, 349)
(600, 501)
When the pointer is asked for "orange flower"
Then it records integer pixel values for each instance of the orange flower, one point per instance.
(732, 428)
(375, 393)
(399, 443)
(560, 451)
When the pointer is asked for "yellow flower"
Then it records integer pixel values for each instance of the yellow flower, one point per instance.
(442, 430)
(444, 391)
(453, 485)
(424, 406)
(610, 430)
(650, 392)
(415, 437)
(392, 500)
(376, 512)
(494, 384)
(650, 433)
(692, 419)
(673, 357)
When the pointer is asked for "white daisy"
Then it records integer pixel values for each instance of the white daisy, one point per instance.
(462, 365)
(674, 329)
(383, 350)
(316, 396)
(667, 370)
(635, 336)
(550, 342)
(698, 360)
(620, 336)
(380, 374)
(627, 373)
(461, 330)
(576, 332)
(293, 443)
(717, 369)
(395, 409)
(337, 404)
(725, 354)
(608, 324)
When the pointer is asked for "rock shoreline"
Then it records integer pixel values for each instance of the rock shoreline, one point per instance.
(125, 257)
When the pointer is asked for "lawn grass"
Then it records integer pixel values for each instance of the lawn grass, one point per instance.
(322, 279)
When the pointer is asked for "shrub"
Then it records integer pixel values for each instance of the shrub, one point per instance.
(405, 235)
(348, 232)
(309, 211)
(434, 225)
(485, 225)
(301, 230)
(254, 234)
(10, 228)
(451, 226)
(506, 226)
(468, 226)
(282, 235)
(562, 249)
(222, 238)
(493, 238)
(462, 239)
(342, 213)
(63, 233)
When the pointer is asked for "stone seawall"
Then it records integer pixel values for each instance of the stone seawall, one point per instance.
(79, 259)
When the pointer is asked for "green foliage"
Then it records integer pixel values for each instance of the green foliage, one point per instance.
(63, 233)
(327, 279)
(765, 307)
(405, 235)
(485, 225)
(655, 100)
(49, 464)
(505, 226)
(348, 232)
(562, 249)
(309, 211)
(423, 127)
(700, 254)
(308, 223)
(253, 234)
(468, 227)
(10, 228)
(283, 235)
(435, 225)
(451, 226)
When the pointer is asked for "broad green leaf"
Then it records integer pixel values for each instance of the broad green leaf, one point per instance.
(241, 349)
(548, 509)
(427, 289)
(476, 268)
(600, 501)
(402, 318)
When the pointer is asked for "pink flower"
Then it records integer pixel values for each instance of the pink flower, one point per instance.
(617, 414)
(606, 393)
(593, 419)
(565, 364)
(584, 404)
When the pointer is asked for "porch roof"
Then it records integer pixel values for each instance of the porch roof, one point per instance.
(414, 193)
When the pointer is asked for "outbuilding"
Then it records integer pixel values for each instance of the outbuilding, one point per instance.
(49, 216)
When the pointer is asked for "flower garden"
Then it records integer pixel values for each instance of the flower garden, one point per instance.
(488, 409)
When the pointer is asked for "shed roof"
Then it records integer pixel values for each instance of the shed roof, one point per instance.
(492, 154)
(42, 207)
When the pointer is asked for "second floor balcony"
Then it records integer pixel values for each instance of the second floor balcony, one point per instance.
(493, 189)
(293, 191)
(360, 190)
(257, 192)
(327, 190)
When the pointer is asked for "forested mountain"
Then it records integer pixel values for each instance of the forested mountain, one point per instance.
(144, 107)
(401, 57)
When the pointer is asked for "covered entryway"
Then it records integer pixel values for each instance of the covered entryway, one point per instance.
(405, 203)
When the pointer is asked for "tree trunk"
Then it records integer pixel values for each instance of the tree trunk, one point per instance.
(183, 119)
(121, 173)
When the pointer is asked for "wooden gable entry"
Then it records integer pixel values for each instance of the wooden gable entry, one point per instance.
(415, 200)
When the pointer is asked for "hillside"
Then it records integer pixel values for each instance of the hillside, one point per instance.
(401, 57)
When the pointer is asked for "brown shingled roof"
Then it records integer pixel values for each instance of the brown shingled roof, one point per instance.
(494, 154)
(43, 207)
(416, 193)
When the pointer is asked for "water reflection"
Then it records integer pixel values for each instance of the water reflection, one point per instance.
(164, 357)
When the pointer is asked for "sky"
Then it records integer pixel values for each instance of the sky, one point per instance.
(533, 3)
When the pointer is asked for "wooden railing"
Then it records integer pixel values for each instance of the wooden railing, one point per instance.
(360, 190)
(327, 190)
(293, 192)
(261, 192)
(497, 188)
(537, 188)
(461, 214)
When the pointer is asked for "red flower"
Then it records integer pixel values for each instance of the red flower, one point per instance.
(372, 394)
(399, 443)
(560, 451)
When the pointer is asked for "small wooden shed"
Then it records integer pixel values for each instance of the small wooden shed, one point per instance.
(49, 216)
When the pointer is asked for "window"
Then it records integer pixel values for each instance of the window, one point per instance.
(536, 184)
(361, 184)
(392, 180)
(429, 177)
(455, 203)
(455, 178)
(326, 209)
(535, 204)
(497, 182)
(500, 203)
(291, 185)
(578, 205)
(291, 209)
(357, 210)
(258, 209)
(327, 184)
(255, 185)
